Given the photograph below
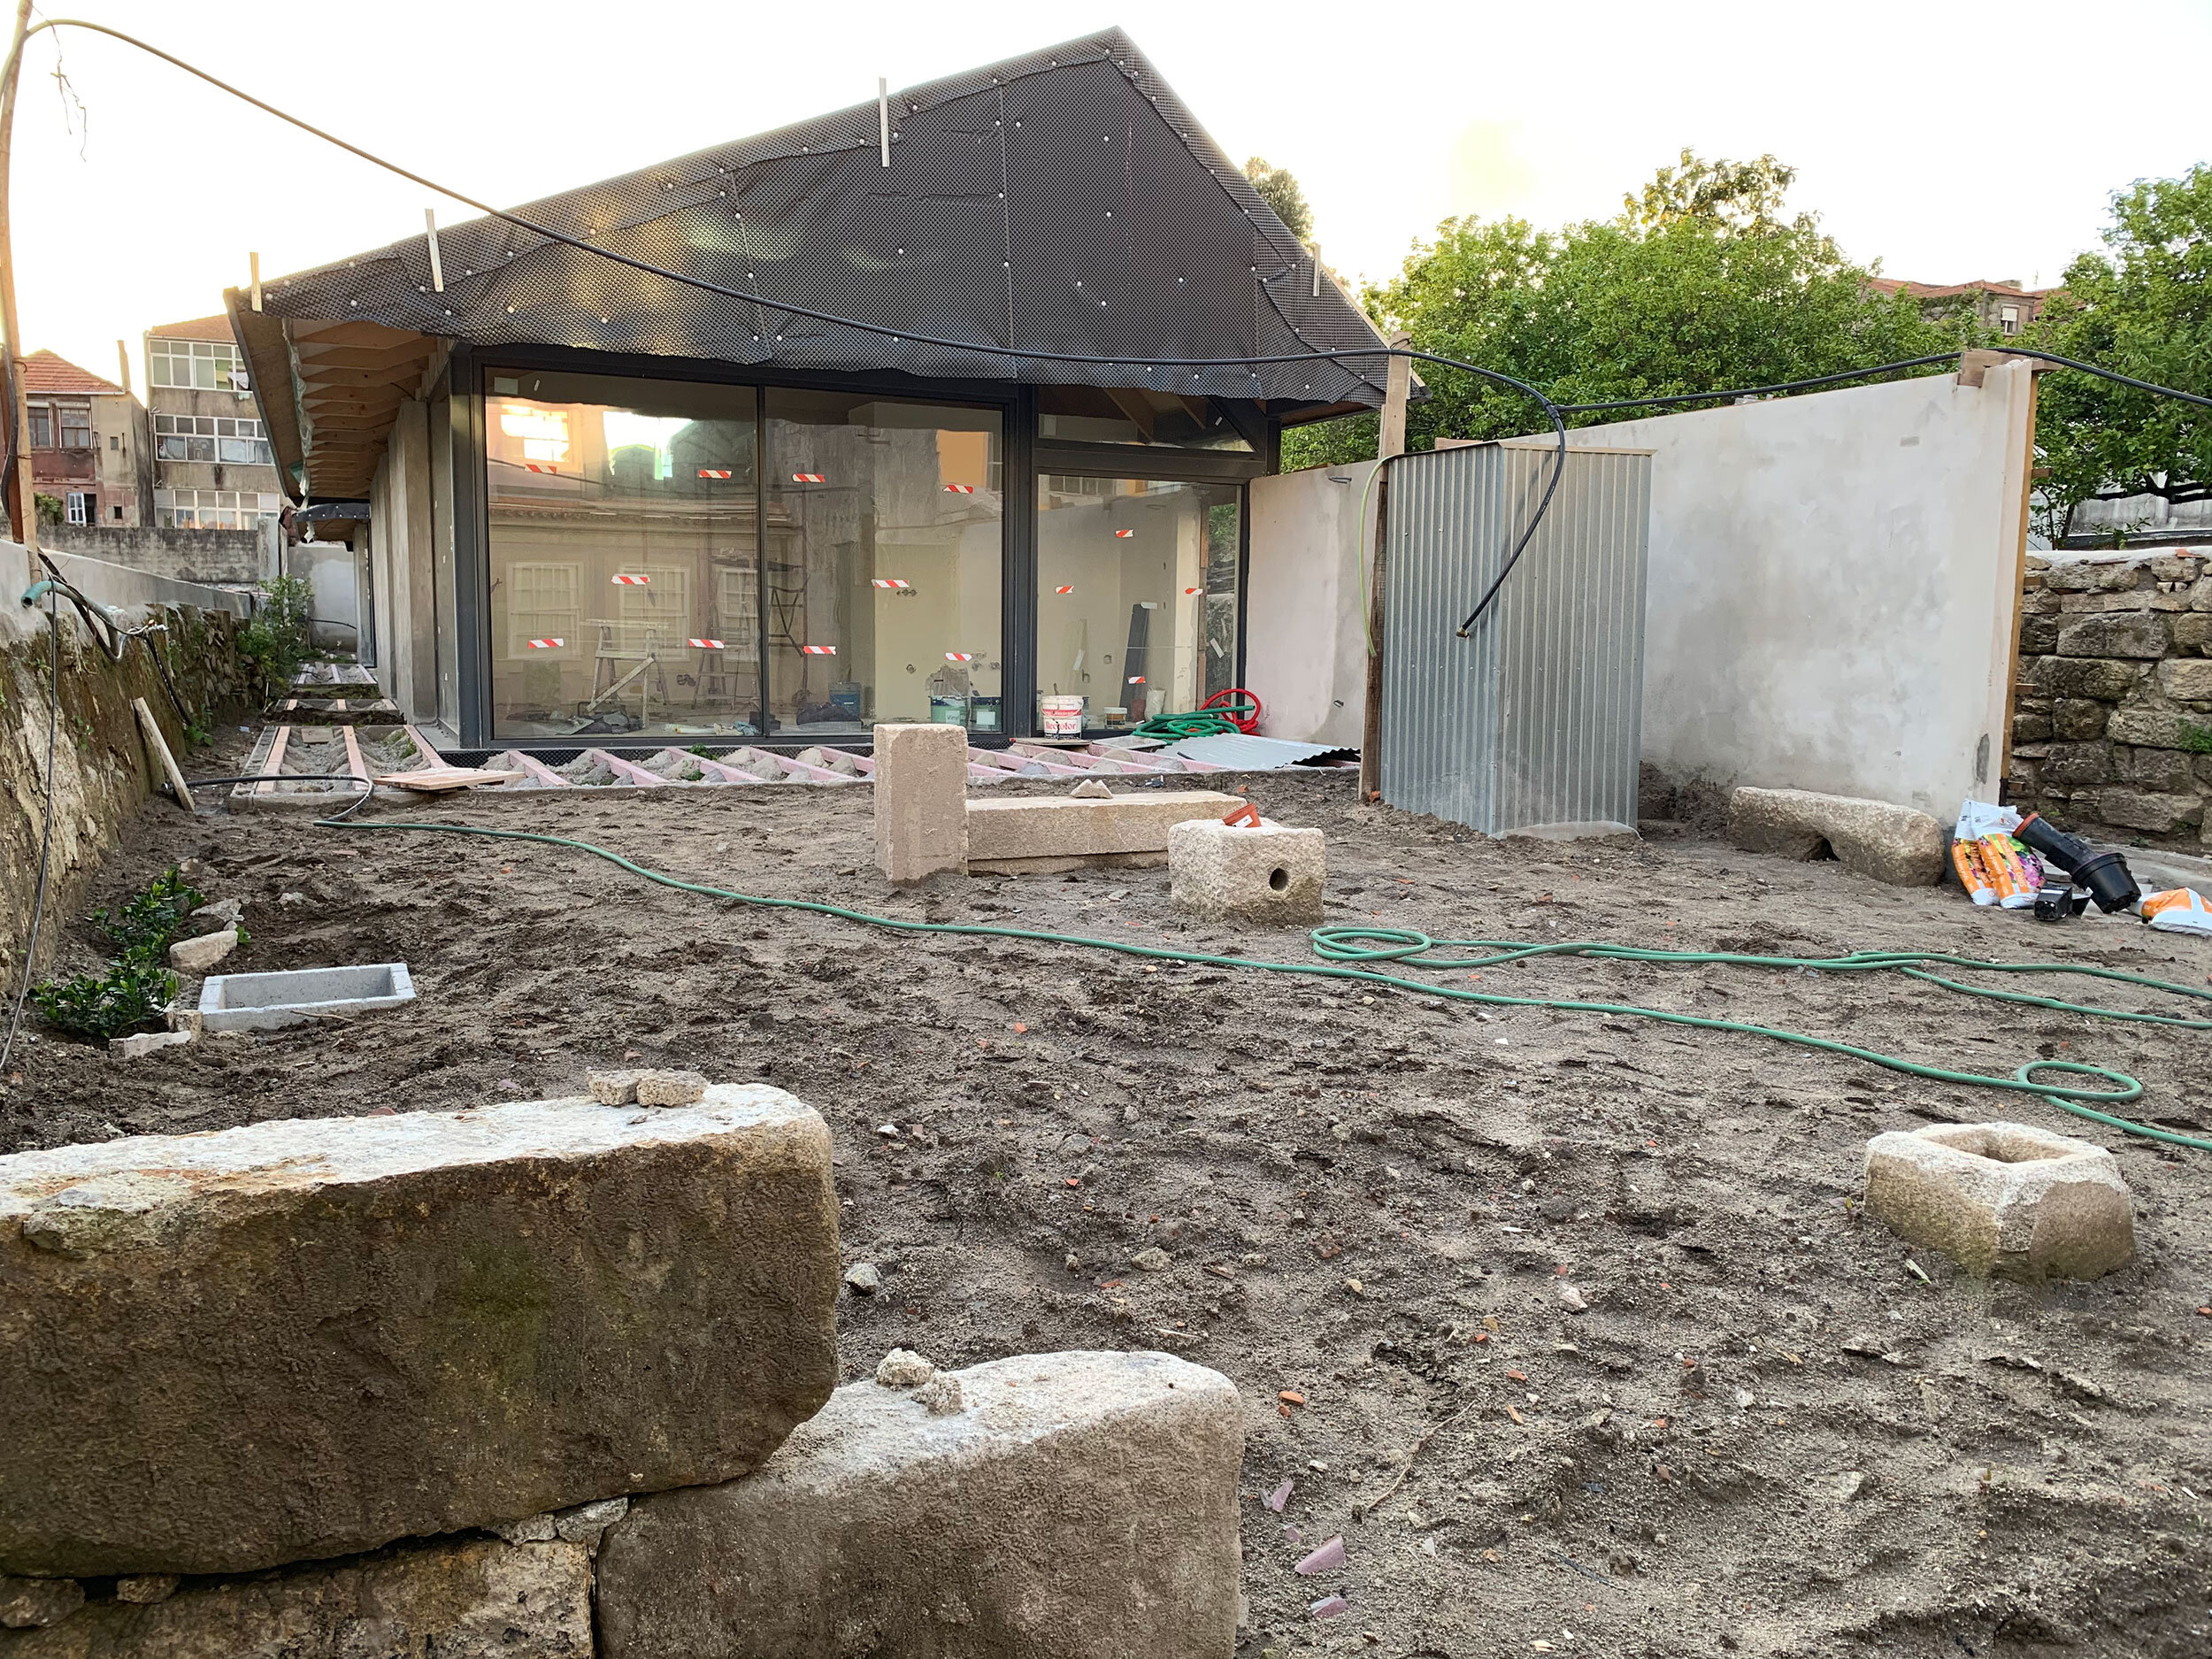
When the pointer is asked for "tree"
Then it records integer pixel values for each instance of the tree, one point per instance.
(1278, 186)
(2144, 308)
(1700, 284)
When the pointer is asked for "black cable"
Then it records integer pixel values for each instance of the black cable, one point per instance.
(46, 835)
(1762, 391)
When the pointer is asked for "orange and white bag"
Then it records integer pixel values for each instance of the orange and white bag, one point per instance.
(2182, 910)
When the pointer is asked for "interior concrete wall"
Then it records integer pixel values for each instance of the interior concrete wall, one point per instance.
(400, 510)
(1305, 651)
(1835, 588)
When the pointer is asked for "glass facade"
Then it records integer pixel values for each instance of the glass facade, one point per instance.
(884, 551)
(622, 556)
(709, 563)
(1136, 595)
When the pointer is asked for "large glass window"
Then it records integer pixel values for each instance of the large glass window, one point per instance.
(1090, 414)
(884, 548)
(623, 557)
(207, 366)
(1136, 597)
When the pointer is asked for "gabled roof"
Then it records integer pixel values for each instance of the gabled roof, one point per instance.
(1949, 290)
(1064, 200)
(198, 328)
(44, 372)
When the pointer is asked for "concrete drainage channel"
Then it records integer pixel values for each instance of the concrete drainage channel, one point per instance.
(369, 758)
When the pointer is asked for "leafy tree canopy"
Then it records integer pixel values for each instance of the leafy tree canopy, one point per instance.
(1278, 186)
(1700, 284)
(2144, 307)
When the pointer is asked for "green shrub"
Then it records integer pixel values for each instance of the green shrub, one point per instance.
(144, 925)
(2196, 739)
(277, 641)
(128, 997)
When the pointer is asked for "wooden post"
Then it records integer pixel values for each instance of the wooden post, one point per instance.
(1390, 443)
(22, 497)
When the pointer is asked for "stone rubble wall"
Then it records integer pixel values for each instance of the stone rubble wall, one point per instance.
(102, 775)
(2112, 724)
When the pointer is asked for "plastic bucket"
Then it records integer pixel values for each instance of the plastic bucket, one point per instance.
(1062, 716)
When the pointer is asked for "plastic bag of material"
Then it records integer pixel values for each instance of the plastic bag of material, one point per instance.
(1994, 869)
(2182, 910)
(1979, 818)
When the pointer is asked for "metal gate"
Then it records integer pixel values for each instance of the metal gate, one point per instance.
(1537, 718)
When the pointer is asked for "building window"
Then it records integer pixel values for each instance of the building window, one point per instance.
(42, 427)
(215, 508)
(117, 511)
(76, 425)
(211, 438)
(1136, 595)
(80, 506)
(2008, 319)
(205, 366)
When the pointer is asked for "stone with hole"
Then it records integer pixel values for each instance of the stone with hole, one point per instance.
(2006, 1200)
(1263, 873)
(1059, 1506)
(1894, 844)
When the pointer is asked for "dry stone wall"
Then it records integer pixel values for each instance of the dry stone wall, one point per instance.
(2112, 727)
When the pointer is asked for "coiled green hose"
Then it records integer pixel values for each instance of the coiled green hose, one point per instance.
(1341, 946)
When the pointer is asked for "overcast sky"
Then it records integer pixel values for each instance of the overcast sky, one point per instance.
(1949, 140)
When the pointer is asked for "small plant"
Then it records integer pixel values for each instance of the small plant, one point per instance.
(143, 928)
(131, 995)
(277, 641)
(2196, 739)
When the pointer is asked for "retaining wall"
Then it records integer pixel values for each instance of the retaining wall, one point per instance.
(2112, 722)
(101, 772)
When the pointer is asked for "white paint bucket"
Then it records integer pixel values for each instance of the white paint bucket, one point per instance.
(1062, 717)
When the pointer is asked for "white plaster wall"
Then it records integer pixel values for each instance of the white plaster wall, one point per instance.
(1834, 588)
(1305, 648)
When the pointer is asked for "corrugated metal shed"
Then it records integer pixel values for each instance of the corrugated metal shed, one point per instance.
(1538, 718)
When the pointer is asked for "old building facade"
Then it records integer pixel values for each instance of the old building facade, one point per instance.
(212, 467)
(89, 444)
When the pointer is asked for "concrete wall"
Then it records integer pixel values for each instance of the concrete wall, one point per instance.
(327, 567)
(1305, 651)
(136, 589)
(1834, 588)
(400, 510)
(190, 556)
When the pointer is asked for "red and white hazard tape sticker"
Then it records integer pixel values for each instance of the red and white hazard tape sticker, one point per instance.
(809, 477)
(1136, 679)
(717, 471)
(959, 490)
(890, 581)
(705, 645)
(1063, 590)
(960, 657)
(540, 467)
(1190, 592)
(1122, 535)
(545, 645)
(625, 581)
(820, 650)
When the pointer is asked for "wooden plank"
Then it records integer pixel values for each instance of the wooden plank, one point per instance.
(276, 762)
(424, 747)
(158, 746)
(629, 771)
(713, 768)
(441, 780)
(354, 763)
(535, 769)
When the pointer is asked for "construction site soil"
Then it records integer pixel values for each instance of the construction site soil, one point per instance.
(1764, 1433)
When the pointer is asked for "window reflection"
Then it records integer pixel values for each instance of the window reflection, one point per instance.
(623, 570)
(884, 548)
(1136, 598)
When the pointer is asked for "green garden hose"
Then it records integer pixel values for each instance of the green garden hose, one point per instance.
(1338, 945)
(1215, 722)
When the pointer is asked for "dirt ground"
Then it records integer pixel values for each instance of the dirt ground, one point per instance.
(1765, 1435)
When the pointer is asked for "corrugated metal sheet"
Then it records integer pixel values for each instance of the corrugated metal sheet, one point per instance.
(1538, 718)
(1242, 752)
